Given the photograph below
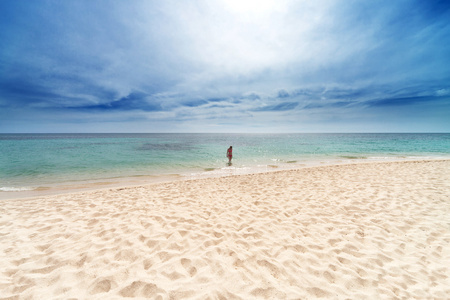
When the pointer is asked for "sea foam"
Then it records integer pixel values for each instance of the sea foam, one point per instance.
(15, 189)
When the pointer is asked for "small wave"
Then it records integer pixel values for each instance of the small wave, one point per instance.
(14, 189)
(166, 147)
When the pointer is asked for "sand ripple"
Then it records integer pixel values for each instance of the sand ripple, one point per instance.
(363, 231)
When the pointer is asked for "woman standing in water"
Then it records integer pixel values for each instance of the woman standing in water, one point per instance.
(230, 154)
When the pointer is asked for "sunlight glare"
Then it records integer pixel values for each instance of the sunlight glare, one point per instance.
(251, 7)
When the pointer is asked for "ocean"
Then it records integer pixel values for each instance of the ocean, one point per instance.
(35, 161)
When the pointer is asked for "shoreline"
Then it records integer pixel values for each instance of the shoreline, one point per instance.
(376, 230)
(139, 180)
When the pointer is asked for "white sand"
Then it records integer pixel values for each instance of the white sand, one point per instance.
(365, 231)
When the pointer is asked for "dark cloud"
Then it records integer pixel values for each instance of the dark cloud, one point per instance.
(194, 103)
(134, 101)
(405, 101)
(338, 104)
(190, 63)
(347, 94)
(284, 106)
(52, 93)
(214, 100)
(283, 94)
(23, 92)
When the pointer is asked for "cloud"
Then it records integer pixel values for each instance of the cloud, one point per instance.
(284, 106)
(237, 62)
(283, 94)
(134, 101)
(22, 92)
(405, 101)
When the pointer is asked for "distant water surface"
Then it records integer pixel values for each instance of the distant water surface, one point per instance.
(28, 161)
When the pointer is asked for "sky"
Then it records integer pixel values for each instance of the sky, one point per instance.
(224, 66)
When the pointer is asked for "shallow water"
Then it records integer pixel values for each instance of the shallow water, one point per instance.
(29, 161)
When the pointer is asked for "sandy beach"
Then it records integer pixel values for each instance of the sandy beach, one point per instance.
(358, 231)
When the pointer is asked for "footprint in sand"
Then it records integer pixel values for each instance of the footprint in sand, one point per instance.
(139, 288)
(186, 263)
(102, 285)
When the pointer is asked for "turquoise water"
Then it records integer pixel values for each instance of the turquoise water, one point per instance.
(28, 161)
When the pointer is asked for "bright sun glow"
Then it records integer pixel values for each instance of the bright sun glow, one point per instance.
(251, 7)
